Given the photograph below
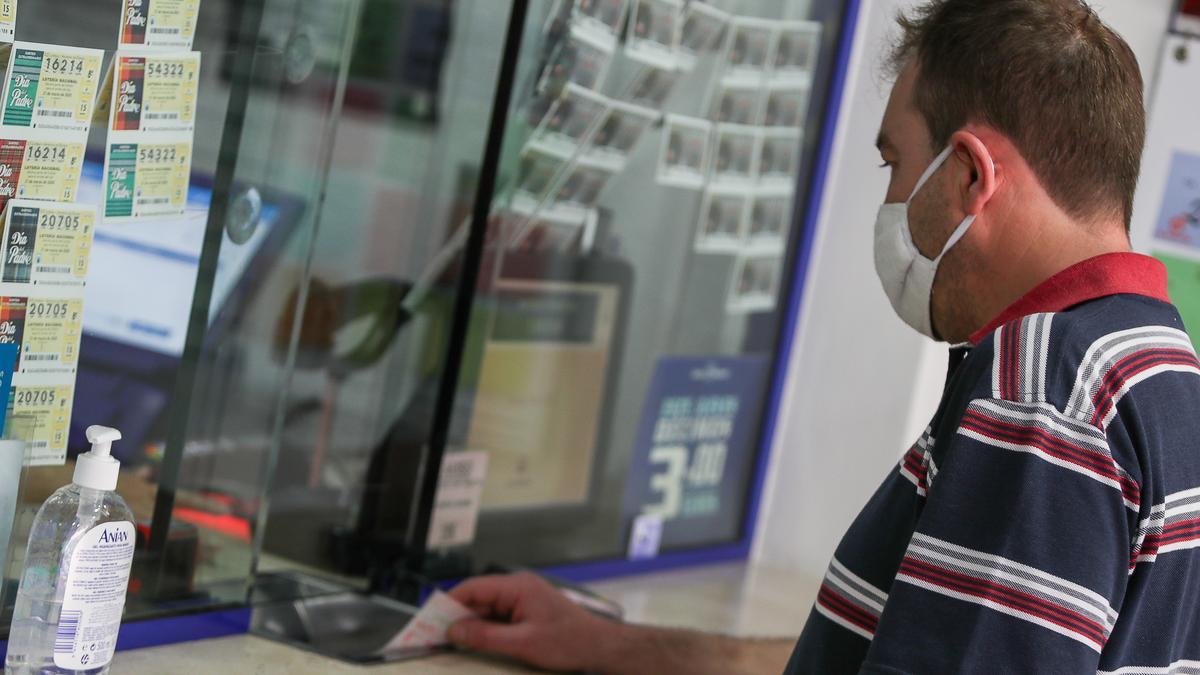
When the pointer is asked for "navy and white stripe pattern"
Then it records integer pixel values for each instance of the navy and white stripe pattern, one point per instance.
(849, 601)
(1051, 511)
(1039, 429)
(1019, 367)
(1010, 588)
(1120, 360)
(1173, 525)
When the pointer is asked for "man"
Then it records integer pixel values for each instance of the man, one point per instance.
(1048, 520)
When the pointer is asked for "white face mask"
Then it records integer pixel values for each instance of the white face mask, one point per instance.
(907, 276)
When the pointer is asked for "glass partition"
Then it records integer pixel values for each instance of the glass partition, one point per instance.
(375, 337)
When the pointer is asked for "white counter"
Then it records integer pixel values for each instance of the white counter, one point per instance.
(731, 599)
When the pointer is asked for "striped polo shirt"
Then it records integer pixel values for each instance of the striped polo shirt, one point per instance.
(1048, 520)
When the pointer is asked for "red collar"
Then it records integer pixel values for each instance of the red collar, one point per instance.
(1108, 274)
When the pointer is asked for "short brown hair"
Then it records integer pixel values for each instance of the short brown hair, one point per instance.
(1050, 75)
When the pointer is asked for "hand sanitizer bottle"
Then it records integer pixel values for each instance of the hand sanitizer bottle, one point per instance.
(77, 564)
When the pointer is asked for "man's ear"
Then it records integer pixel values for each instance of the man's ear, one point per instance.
(981, 180)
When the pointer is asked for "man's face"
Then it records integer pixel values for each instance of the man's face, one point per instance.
(907, 151)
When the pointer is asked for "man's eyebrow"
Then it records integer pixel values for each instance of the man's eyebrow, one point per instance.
(882, 142)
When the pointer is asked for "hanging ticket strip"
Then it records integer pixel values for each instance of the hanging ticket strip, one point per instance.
(152, 111)
(148, 163)
(51, 95)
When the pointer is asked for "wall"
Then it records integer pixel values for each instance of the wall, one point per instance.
(861, 386)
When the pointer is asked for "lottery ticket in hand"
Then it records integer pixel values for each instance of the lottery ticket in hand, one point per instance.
(428, 628)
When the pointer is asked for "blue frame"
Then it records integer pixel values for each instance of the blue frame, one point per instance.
(186, 628)
(740, 550)
(170, 630)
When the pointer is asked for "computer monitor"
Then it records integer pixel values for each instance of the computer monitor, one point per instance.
(138, 302)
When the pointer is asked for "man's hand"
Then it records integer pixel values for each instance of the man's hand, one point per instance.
(524, 617)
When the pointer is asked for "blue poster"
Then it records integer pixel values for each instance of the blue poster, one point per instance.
(1179, 220)
(696, 447)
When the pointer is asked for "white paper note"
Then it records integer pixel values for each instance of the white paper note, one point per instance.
(459, 496)
(646, 536)
(428, 628)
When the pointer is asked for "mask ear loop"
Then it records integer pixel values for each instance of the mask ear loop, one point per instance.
(959, 233)
(933, 167)
(964, 226)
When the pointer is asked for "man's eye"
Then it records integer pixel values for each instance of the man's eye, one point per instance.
(885, 165)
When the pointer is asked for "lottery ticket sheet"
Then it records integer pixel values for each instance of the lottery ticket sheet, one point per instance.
(8, 20)
(147, 177)
(50, 87)
(147, 25)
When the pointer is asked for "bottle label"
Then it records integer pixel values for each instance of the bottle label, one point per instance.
(94, 597)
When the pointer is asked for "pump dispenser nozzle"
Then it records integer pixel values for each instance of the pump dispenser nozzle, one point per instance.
(97, 469)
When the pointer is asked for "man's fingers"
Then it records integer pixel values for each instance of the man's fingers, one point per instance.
(493, 594)
(488, 636)
(479, 590)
